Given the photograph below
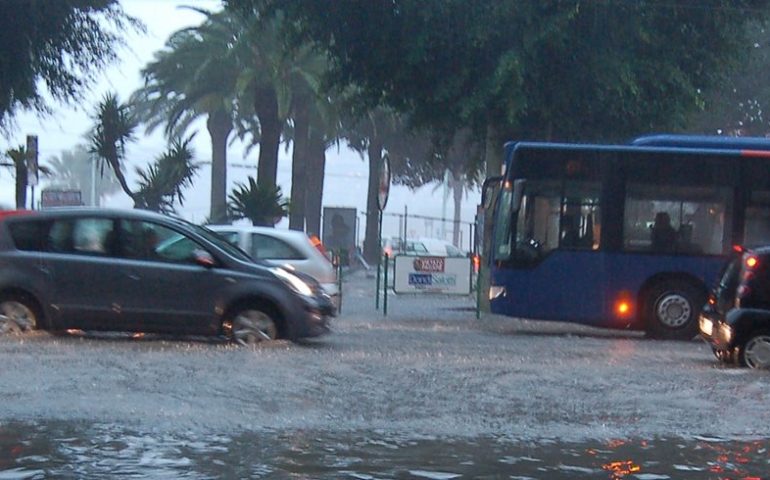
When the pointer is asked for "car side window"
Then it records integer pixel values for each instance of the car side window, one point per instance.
(153, 242)
(82, 236)
(30, 235)
(264, 247)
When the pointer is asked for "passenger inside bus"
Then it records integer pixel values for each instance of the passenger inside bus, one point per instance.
(664, 236)
(570, 237)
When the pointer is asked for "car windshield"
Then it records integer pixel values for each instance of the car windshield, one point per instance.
(222, 243)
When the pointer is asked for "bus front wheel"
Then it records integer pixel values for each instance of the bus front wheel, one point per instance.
(671, 310)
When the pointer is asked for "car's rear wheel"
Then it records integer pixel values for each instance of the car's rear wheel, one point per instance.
(671, 310)
(755, 353)
(251, 325)
(18, 314)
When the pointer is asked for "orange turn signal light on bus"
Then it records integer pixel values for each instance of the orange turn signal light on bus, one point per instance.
(752, 261)
(624, 305)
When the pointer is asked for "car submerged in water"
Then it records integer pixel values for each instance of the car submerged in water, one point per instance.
(137, 271)
(736, 319)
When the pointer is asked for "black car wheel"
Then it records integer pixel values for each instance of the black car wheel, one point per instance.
(755, 353)
(18, 314)
(671, 310)
(251, 325)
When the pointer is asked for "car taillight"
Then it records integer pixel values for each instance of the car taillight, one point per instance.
(318, 245)
(10, 213)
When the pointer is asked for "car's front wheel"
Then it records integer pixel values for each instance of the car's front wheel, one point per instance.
(18, 314)
(251, 325)
(755, 353)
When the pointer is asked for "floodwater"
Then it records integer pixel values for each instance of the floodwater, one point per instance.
(82, 450)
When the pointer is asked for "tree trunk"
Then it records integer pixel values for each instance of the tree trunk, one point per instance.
(457, 194)
(315, 183)
(219, 126)
(493, 160)
(372, 248)
(300, 164)
(270, 126)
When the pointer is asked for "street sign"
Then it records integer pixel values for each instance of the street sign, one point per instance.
(449, 275)
(60, 198)
(383, 188)
(32, 160)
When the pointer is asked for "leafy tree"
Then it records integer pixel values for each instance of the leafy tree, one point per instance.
(740, 104)
(55, 47)
(264, 206)
(547, 69)
(194, 76)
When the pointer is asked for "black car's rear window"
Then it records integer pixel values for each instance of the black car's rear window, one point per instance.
(30, 235)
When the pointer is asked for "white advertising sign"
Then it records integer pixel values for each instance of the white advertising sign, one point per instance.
(432, 275)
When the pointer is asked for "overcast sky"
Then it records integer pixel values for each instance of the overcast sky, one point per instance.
(345, 184)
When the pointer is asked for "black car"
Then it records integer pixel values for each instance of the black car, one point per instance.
(736, 319)
(132, 270)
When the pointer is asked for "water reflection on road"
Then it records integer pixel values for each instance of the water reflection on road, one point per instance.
(78, 450)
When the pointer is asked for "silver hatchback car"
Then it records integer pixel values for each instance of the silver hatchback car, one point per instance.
(288, 248)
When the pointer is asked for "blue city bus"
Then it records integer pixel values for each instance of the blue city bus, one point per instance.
(623, 236)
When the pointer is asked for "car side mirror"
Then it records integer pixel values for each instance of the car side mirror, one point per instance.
(203, 258)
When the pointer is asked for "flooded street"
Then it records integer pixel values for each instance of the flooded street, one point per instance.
(426, 392)
(76, 450)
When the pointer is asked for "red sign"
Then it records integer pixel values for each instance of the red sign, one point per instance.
(383, 186)
(429, 264)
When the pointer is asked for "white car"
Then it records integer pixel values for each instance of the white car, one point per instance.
(288, 248)
(421, 246)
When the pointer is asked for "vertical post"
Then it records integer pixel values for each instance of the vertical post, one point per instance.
(385, 292)
(339, 285)
(406, 231)
(379, 261)
(93, 202)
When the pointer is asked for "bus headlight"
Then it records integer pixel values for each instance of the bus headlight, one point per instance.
(496, 292)
(293, 281)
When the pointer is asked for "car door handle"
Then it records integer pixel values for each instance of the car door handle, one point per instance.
(133, 276)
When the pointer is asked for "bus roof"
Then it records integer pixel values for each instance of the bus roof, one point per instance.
(710, 144)
(703, 141)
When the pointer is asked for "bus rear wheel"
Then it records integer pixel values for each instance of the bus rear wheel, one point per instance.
(671, 310)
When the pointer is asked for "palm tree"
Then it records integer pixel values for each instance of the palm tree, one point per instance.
(194, 76)
(163, 182)
(264, 206)
(113, 130)
(20, 169)
(315, 118)
(18, 163)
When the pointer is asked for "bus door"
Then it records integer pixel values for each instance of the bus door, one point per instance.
(547, 263)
